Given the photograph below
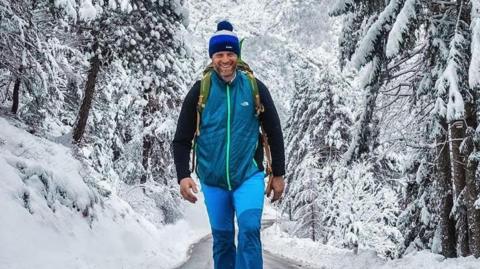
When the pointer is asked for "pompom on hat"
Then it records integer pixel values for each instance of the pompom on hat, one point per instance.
(224, 39)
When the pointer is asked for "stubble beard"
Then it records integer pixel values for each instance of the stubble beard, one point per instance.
(226, 72)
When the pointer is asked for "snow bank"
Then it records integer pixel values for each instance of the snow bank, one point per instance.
(53, 217)
(313, 254)
(427, 260)
(317, 255)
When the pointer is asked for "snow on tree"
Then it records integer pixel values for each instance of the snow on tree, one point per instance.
(427, 54)
(455, 80)
(474, 69)
(150, 56)
(317, 128)
(368, 52)
(329, 202)
(38, 62)
(371, 43)
(365, 210)
(401, 28)
(341, 7)
(427, 68)
(471, 145)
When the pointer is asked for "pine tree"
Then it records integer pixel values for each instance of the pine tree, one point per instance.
(433, 69)
(152, 56)
(367, 52)
(36, 58)
(471, 146)
(132, 82)
(317, 137)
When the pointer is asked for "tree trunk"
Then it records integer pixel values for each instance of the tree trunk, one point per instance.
(472, 191)
(447, 224)
(314, 234)
(148, 137)
(457, 134)
(470, 148)
(362, 141)
(88, 97)
(16, 91)
(146, 153)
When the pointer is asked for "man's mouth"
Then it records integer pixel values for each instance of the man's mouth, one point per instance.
(226, 68)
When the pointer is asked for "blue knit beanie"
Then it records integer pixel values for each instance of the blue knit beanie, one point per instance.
(224, 39)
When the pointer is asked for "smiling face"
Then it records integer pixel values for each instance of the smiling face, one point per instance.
(225, 63)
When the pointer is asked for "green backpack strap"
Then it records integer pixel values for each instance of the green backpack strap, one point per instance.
(256, 95)
(205, 84)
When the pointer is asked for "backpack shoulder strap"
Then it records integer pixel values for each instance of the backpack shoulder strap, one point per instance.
(205, 84)
(202, 100)
(259, 108)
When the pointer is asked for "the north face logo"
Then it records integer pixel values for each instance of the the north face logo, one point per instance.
(244, 103)
(228, 47)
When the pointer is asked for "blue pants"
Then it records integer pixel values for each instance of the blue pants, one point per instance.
(246, 202)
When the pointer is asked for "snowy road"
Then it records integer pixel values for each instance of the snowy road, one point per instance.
(201, 256)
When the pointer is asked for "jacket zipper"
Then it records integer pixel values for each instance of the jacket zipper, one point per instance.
(228, 139)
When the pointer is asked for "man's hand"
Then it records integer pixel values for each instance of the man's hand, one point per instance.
(277, 186)
(185, 185)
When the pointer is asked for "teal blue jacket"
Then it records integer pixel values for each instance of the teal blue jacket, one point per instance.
(228, 136)
(228, 148)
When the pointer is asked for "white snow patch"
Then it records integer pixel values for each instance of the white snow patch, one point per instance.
(477, 204)
(339, 7)
(159, 64)
(455, 105)
(317, 255)
(68, 5)
(87, 11)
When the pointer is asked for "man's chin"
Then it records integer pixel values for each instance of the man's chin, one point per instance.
(226, 73)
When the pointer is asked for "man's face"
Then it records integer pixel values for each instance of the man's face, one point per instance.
(225, 63)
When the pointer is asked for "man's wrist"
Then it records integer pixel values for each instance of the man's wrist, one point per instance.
(180, 179)
(278, 172)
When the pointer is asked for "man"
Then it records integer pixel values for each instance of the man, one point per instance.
(229, 154)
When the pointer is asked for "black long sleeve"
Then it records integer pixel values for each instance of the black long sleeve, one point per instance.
(271, 124)
(182, 143)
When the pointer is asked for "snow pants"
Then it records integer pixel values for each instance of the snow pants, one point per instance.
(246, 202)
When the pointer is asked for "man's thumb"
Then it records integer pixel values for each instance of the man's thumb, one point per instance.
(194, 187)
(268, 190)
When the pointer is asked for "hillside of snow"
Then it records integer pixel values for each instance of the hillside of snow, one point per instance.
(53, 216)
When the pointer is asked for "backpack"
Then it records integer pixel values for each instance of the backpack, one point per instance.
(259, 108)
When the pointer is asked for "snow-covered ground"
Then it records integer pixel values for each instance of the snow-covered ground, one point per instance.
(52, 217)
(317, 255)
